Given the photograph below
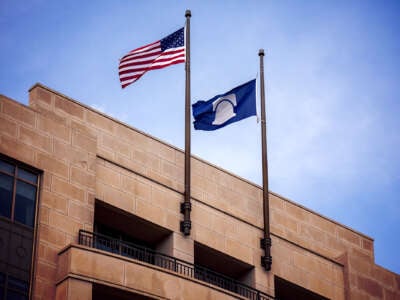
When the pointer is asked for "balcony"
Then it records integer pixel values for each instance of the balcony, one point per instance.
(146, 255)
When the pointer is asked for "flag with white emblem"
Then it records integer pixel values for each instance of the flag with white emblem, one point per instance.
(235, 105)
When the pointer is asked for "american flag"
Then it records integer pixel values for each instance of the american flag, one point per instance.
(163, 53)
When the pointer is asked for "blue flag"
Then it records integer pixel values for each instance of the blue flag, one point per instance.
(235, 105)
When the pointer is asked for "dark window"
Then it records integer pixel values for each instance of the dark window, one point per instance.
(13, 288)
(6, 193)
(285, 290)
(18, 192)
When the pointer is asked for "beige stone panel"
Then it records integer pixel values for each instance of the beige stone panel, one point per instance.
(229, 196)
(41, 94)
(198, 166)
(322, 224)
(211, 173)
(166, 198)
(62, 291)
(143, 189)
(82, 177)
(276, 203)
(240, 251)
(46, 180)
(150, 212)
(100, 121)
(183, 243)
(63, 264)
(17, 150)
(45, 270)
(84, 141)
(297, 212)
(47, 253)
(349, 236)
(318, 285)
(203, 215)
(162, 150)
(67, 189)
(165, 180)
(338, 293)
(82, 213)
(284, 220)
(84, 128)
(247, 189)
(108, 176)
(53, 165)
(69, 154)
(49, 113)
(53, 201)
(196, 193)
(170, 170)
(44, 215)
(18, 112)
(43, 289)
(52, 235)
(385, 277)
(148, 160)
(277, 230)
(225, 179)
(208, 237)
(106, 153)
(115, 197)
(197, 181)
(253, 212)
(79, 290)
(95, 265)
(361, 265)
(173, 221)
(131, 164)
(64, 223)
(8, 127)
(294, 275)
(69, 107)
(312, 233)
(248, 235)
(116, 145)
(130, 135)
(54, 128)
(282, 252)
(368, 245)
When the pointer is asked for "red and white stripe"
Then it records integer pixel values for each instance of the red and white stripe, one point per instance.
(137, 62)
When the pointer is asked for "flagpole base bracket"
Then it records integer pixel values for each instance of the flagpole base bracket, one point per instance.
(186, 206)
(186, 226)
(266, 262)
(265, 242)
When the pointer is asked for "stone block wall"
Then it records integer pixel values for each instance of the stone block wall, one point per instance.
(86, 155)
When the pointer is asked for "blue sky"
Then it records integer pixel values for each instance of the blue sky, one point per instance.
(332, 72)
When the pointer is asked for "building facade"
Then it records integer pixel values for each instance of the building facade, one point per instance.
(90, 209)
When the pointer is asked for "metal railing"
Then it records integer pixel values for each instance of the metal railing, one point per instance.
(109, 244)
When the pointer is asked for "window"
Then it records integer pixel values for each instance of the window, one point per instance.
(18, 192)
(13, 288)
(285, 290)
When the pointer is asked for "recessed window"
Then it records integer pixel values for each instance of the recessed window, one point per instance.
(285, 290)
(13, 288)
(18, 192)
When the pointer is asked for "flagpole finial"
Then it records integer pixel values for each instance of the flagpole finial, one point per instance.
(188, 13)
(261, 52)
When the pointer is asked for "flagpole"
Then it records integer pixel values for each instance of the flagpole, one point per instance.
(186, 206)
(266, 260)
